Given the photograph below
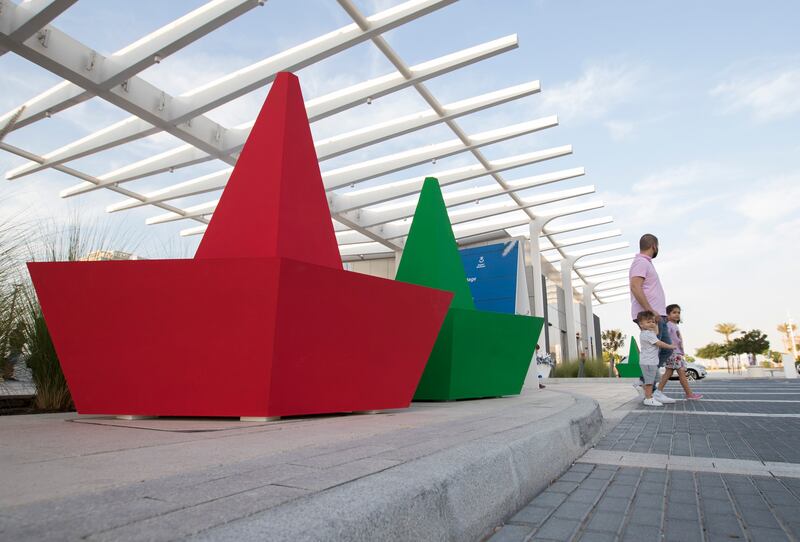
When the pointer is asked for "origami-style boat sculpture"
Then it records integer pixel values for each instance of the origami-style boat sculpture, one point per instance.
(477, 353)
(631, 368)
(263, 322)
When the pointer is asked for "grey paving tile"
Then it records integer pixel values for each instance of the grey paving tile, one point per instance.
(532, 515)
(573, 476)
(340, 474)
(601, 475)
(720, 524)
(594, 536)
(620, 491)
(593, 484)
(678, 511)
(716, 506)
(612, 503)
(759, 517)
(557, 529)
(767, 535)
(345, 455)
(681, 497)
(563, 487)
(651, 487)
(572, 510)
(605, 521)
(650, 517)
(679, 530)
(549, 499)
(583, 495)
(512, 533)
(194, 519)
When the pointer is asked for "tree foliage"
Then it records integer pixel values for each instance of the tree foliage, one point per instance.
(712, 351)
(751, 342)
(613, 340)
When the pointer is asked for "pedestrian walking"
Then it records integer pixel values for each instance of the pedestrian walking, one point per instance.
(647, 294)
(648, 357)
(676, 361)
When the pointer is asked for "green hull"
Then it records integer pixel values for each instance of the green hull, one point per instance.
(479, 354)
(631, 369)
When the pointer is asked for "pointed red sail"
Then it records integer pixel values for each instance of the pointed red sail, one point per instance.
(274, 203)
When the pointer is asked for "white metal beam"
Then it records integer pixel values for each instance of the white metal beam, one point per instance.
(152, 107)
(136, 57)
(579, 240)
(395, 229)
(187, 155)
(372, 216)
(21, 22)
(350, 174)
(602, 261)
(369, 169)
(89, 178)
(378, 194)
(604, 270)
(501, 223)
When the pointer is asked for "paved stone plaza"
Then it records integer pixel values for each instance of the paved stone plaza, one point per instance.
(724, 468)
(436, 471)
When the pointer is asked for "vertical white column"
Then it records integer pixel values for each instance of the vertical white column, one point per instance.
(569, 307)
(536, 263)
(591, 340)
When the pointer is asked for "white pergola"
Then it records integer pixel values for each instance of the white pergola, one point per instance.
(371, 215)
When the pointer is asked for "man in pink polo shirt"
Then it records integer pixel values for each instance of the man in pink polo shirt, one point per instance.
(647, 294)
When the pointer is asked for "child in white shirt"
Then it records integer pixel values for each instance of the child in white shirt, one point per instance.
(648, 356)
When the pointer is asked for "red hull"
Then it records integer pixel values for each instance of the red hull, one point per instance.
(235, 337)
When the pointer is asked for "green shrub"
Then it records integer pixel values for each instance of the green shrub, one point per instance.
(54, 243)
(52, 392)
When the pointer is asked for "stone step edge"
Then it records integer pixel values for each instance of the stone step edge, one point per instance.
(459, 494)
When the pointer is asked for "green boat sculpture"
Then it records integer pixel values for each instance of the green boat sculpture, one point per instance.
(477, 353)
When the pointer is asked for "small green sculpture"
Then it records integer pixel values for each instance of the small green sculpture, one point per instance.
(631, 369)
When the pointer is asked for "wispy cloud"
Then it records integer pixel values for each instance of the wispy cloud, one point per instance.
(597, 91)
(680, 176)
(619, 130)
(675, 192)
(772, 200)
(767, 96)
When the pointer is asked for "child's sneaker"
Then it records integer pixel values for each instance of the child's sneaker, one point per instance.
(662, 398)
(695, 396)
(639, 390)
(652, 401)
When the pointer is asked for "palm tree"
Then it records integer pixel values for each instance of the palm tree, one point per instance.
(613, 340)
(727, 329)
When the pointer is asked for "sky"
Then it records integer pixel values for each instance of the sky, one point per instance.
(686, 116)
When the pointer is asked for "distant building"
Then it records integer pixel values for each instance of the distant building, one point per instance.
(104, 255)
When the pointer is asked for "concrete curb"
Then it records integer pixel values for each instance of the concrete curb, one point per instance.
(457, 495)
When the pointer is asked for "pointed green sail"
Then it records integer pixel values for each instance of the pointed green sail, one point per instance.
(430, 256)
(631, 369)
(477, 353)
